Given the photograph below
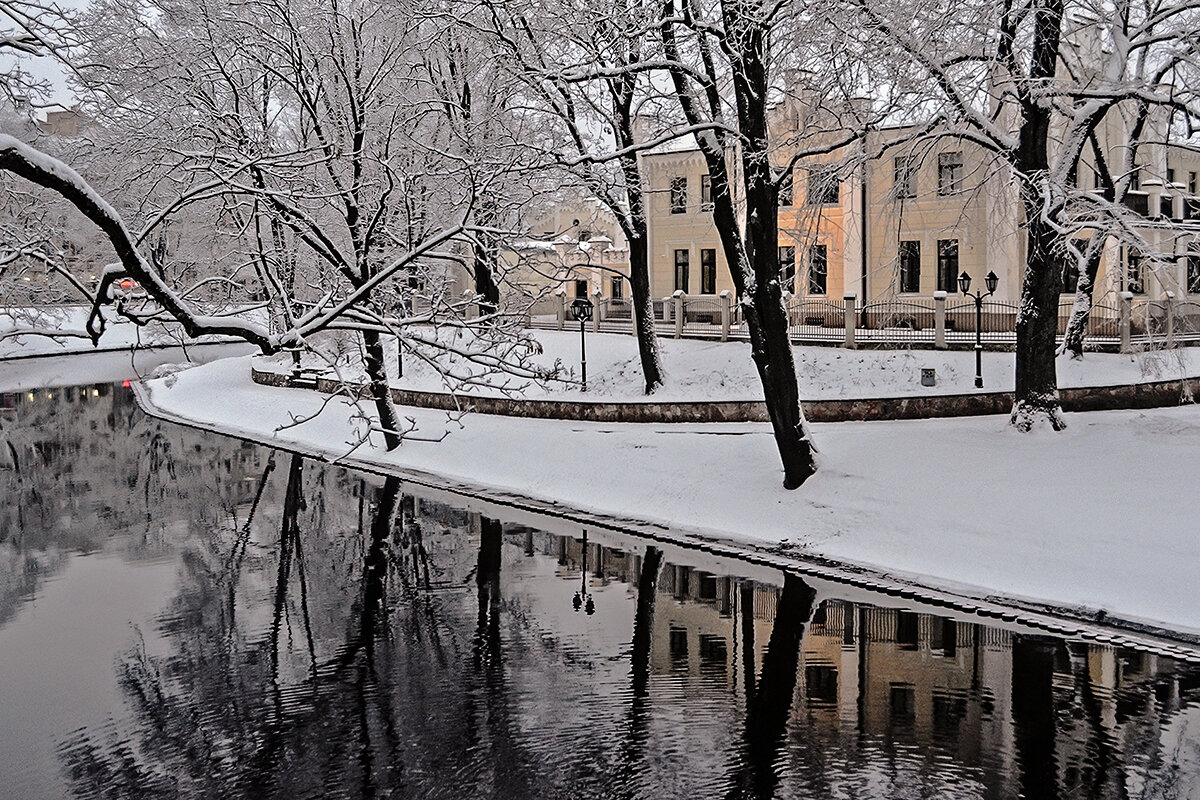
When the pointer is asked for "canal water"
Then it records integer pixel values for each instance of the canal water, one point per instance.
(186, 615)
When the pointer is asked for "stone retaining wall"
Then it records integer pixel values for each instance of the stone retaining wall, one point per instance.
(1100, 398)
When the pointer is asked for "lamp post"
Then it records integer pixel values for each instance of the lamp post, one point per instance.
(581, 309)
(964, 283)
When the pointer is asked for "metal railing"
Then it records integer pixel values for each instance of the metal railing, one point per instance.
(1114, 320)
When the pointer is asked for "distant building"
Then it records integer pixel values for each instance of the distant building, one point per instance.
(907, 223)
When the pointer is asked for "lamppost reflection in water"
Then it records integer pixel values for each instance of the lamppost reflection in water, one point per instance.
(583, 598)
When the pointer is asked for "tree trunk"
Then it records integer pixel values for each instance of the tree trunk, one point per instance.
(633, 221)
(643, 312)
(1037, 325)
(381, 392)
(485, 276)
(1081, 311)
(1037, 320)
(753, 259)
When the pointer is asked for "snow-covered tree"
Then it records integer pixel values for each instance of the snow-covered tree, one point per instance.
(724, 63)
(303, 151)
(582, 65)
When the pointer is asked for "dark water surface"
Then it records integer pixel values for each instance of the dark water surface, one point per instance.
(187, 615)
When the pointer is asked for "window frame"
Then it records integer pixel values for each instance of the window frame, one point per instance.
(908, 254)
(706, 203)
(823, 184)
(785, 254)
(904, 176)
(950, 172)
(685, 263)
(947, 281)
(821, 250)
(678, 194)
(708, 270)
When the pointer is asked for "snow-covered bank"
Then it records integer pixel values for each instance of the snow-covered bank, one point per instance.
(706, 370)
(1099, 516)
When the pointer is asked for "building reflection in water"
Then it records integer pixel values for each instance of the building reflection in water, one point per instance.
(333, 634)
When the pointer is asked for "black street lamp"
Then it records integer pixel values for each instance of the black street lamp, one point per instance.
(964, 283)
(581, 309)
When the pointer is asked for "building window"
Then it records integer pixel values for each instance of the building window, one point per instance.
(708, 271)
(905, 174)
(823, 187)
(1170, 175)
(1135, 179)
(1193, 270)
(818, 269)
(617, 284)
(706, 203)
(1191, 183)
(787, 267)
(682, 258)
(950, 172)
(1070, 275)
(580, 288)
(947, 271)
(787, 189)
(910, 266)
(1134, 279)
(679, 195)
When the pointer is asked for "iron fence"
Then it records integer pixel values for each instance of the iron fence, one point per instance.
(816, 319)
(902, 322)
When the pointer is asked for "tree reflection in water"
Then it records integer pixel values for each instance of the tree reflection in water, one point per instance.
(418, 649)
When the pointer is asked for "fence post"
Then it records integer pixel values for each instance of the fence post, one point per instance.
(1170, 319)
(562, 307)
(598, 312)
(939, 320)
(1126, 303)
(726, 314)
(849, 314)
(678, 297)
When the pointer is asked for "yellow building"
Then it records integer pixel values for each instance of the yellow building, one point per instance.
(577, 247)
(934, 207)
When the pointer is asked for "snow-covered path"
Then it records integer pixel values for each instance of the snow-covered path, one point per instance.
(1101, 516)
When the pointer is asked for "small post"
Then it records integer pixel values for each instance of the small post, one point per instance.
(726, 314)
(598, 300)
(562, 308)
(1170, 303)
(678, 296)
(849, 301)
(583, 352)
(939, 320)
(1126, 313)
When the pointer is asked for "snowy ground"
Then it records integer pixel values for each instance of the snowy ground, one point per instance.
(698, 369)
(1100, 516)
